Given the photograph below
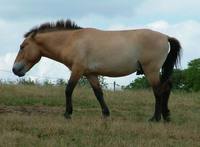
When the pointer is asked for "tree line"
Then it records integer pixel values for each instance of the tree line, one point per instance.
(83, 82)
(183, 79)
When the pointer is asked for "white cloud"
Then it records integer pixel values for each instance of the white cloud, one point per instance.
(172, 8)
(6, 62)
(159, 25)
(101, 21)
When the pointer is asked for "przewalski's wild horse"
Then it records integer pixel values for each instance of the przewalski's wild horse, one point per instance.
(92, 52)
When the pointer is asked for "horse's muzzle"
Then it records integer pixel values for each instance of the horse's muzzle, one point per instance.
(19, 69)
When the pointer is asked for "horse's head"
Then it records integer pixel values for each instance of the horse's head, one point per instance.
(28, 55)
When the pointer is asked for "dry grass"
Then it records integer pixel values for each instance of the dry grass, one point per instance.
(33, 116)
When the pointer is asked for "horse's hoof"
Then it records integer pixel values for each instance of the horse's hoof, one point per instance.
(106, 113)
(67, 116)
(105, 116)
(154, 119)
(167, 119)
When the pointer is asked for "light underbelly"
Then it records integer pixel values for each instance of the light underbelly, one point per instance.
(113, 68)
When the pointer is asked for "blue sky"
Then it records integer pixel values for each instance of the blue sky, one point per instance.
(178, 18)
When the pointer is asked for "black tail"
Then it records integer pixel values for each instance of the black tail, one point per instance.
(172, 60)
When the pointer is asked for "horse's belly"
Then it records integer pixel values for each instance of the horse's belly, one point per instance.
(114, 68)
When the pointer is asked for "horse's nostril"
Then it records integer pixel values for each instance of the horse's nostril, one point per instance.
(14, 70)
(18, 69)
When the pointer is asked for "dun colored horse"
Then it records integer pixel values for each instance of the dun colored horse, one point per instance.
(92, 52)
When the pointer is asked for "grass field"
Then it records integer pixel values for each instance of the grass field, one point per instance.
(33, 116)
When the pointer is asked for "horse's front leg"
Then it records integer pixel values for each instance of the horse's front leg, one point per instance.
(75, 76)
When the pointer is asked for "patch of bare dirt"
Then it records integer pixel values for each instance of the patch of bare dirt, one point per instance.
(31, 109)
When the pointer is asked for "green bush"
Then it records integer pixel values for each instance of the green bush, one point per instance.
(187, 79)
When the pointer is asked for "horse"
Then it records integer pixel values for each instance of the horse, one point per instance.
(92, 52)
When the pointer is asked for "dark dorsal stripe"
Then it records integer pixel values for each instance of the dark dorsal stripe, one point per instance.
(53, 26)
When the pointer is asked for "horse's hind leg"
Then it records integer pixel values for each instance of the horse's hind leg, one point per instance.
(154, 80)
(94, 82)
(166, 86)
(158, 103)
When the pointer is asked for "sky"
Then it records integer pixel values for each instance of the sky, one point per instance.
(177, 18)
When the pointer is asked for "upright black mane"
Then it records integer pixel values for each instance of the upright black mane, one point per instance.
(53, 26)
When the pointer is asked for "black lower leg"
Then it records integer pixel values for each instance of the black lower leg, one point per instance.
(68, 93)
(99, 94)
(158, 106)
(166, 93)
(165, 110)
